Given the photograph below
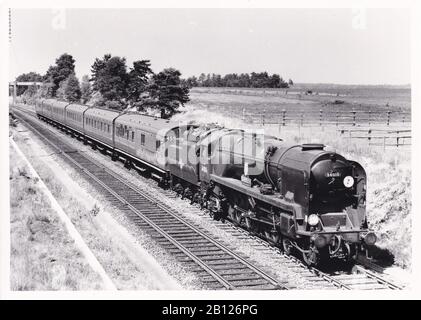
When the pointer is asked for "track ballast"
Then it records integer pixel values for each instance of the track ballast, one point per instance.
(217, 266)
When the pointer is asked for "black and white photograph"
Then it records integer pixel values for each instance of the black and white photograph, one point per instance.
(208, 152)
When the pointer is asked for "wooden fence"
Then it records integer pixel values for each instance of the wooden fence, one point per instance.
(323, 117)
(380, 137)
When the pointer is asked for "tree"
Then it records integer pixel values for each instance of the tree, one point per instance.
(30, 93)
(72, 91)
(96, 69)
(284, 84)
(85, 89)
(275, 81)
(201, 80)
(138, 80)
(110, 78)
(245, 80)
(45, 91)
(60, 91)
(192, 82)
(290, 82)
(167, 92)
(65, 65)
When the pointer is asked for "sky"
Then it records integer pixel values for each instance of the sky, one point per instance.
(344, 46)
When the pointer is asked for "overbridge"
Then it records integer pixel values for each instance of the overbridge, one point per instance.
(16, 84)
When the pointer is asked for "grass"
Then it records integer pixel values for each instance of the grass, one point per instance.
(43, 256)
(124, 268)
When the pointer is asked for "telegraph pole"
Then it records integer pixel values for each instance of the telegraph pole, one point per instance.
(10, 25)
(10, 44)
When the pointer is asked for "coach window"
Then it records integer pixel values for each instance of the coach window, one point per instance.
(142, 139)
(158, 144)
(132, 135)
(108, 128)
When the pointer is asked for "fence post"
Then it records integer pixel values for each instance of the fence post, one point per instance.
(337, 118)
(283, 117)
(321, 116)
(369, 136)
(244, 115)
(388, 116)
(353, 117)
(369, 116)
(302, 119)
(384, 143)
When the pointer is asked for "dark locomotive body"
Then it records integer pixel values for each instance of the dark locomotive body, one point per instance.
(301, 197)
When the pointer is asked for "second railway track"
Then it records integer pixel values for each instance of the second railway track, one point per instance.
(217, 266)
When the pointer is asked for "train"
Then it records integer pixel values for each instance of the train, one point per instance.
(304, 198)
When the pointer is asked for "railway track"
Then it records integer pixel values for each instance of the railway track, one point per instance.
(216, 265)
(361, 277)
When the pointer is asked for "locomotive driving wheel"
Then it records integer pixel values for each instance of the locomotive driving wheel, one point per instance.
(311, 256)
(234, 215)
(251, 226)
(272, 236)
(287, 246)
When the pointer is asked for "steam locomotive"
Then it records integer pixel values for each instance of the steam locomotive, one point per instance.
(303, 197)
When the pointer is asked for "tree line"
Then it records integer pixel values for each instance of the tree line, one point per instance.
(243, 80)
(111, 85)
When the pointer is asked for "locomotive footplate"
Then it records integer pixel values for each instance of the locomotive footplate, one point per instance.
(273, 199)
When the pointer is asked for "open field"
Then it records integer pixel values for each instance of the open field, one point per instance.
(327, 103)
(377, 97)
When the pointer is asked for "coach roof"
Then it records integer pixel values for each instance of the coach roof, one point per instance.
(149, 123)
(55, 103)
(77, 107)
(108, 115)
